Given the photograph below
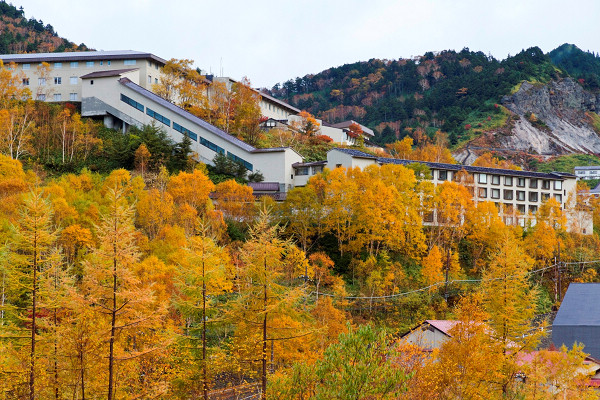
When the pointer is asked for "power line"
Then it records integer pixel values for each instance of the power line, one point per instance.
(450, 282)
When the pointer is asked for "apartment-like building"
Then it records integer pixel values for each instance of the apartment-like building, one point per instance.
(517, 194)
(61, 81)
(589, 172)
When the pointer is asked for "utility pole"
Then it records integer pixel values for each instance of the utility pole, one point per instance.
(447, 272)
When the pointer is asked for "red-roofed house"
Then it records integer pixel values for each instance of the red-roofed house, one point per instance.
(431, 334)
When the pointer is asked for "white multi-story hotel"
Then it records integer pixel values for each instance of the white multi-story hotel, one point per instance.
(517, 194)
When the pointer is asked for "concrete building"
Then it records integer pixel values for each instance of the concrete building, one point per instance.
(517, 194)
(117, 97)
(62, 81)
(589, 172)
(578, 319)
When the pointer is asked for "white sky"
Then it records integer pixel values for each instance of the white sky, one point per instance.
(271, 41)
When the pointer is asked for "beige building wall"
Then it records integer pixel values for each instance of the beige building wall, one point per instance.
(63, 79)
(274, 164)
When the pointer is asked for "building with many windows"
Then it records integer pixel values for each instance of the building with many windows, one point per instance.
(590, 172)
(61, 81)
(517, 194)
(116, 97)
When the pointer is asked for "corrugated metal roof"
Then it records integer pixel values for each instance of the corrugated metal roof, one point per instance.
(264, 186)
(580, 306)
(79, 56)
(279, 102)
(112, 72)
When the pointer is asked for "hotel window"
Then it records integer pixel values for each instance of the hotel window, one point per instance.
(73, 96)
(26, 81)
(57, 97)
(41, 97)
(129, 62)
(149, 79)
(533, 183)
(26, 66)
(546, 184)
(302, 171)
(533, 197)
(156, 80)
(545, 196)
(108, 62)
(558, 197)
(521, 182)
(533, 209)
(508, 180)
(508, 194)
(482, 193)
(443, 175)
(520, 195)
(41, 81)
(73, 80)
(557, 185)
(89, 64)
(482, 178)
(57, 65)
(495, 179)
(74, 64)
(521, 208)
(101, 62)
(155, 66)
(495, 193)
(57, 80)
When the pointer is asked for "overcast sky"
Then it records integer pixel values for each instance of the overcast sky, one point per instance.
(271, 41)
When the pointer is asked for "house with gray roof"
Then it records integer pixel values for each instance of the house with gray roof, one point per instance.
(578, 318)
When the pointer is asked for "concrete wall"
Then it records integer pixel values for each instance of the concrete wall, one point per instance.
(147, 70)
(103, 98)
(337, 158)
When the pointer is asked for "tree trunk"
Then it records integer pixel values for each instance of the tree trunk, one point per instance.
(113, 320)
(204, 382)
(264, 339)
(33, 321)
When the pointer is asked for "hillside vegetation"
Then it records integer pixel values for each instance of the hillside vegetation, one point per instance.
(457, 92)
(19, 34)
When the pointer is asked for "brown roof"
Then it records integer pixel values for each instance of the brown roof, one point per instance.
(112, 72)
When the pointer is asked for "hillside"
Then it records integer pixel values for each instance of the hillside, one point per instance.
(19, 34)
(478, 100)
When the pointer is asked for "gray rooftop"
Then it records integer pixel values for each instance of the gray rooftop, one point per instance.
(112, 72)
(588, 168)
(580, 306)
(194, 119)
(459, 167)
(80, 56)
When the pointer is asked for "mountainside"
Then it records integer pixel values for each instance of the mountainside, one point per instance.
(21, 35)
(482, 103)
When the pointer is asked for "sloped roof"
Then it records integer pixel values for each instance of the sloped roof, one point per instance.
(80, 56)
(111, 72)
(346, 124)
(264, 186)
(354, 153)
(443, 325)
(580, 306)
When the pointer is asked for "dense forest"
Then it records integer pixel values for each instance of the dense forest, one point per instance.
(456, 92)
(19, 34)
(131, 271)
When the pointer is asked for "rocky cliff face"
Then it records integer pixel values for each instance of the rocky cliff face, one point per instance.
(547, 120)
